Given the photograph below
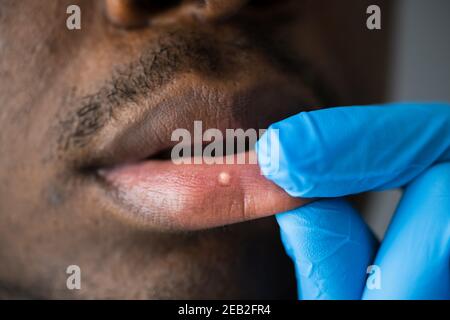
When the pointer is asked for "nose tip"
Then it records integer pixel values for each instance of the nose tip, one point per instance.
(126, 13)
(139, 13)
(219, 9)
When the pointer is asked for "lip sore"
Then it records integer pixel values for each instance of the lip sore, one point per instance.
(197, 196)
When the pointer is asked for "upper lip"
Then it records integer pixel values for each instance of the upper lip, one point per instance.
(146, 133)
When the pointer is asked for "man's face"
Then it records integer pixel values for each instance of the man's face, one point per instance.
(76, 102)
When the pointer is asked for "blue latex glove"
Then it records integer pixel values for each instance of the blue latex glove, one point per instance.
(341, 151)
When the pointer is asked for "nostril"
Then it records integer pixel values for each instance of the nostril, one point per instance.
(219, 9)
(125, 13)
(136, 13)
(156, 6)
(141, 13)
(262, 3)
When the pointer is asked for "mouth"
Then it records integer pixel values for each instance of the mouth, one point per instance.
(143, 184)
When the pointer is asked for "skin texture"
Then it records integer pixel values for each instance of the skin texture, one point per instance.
(59, 90)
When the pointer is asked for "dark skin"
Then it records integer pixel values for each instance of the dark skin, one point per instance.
(59, 90)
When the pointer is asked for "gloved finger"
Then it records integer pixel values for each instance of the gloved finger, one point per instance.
(414, 259)
(330, 246)
(347, 150)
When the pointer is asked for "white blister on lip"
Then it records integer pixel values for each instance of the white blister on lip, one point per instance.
(224, 178)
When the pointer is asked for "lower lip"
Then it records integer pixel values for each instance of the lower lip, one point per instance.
(196, 196)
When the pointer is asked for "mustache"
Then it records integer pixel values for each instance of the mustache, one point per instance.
(172, 54)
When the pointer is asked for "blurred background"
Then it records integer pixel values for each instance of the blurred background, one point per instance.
(419, 71)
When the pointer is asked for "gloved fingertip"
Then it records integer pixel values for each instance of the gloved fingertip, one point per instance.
(267, 150)
(275, 155)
